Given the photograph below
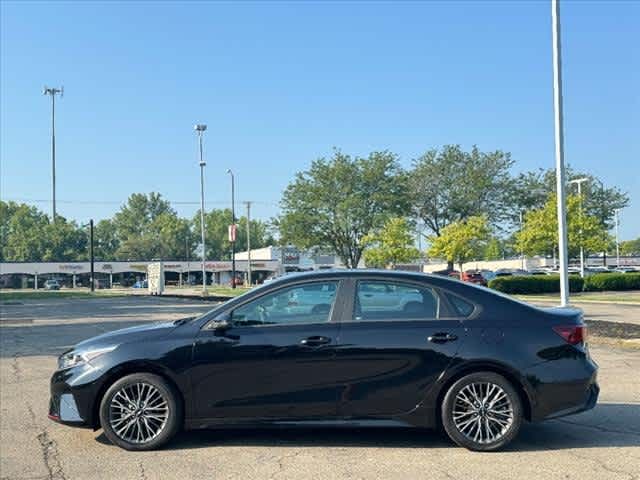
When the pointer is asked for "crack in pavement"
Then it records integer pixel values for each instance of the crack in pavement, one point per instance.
(143, 474)
(602, 465)
(281, 461)
(48, 446)
(51, 456)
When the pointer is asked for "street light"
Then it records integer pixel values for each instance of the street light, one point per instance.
(52, 92)
(559, 151)
(578, 181)
(200, 129)
(617, 211)
(232, 230)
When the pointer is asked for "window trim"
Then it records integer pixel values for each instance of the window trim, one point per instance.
(333, 317)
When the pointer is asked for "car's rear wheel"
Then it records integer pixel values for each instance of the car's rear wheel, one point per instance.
(482, 411)
(140, 412)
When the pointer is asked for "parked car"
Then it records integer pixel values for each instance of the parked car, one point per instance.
(477, 362)
(503, 272)
(52, 284)
(141, 284)
(488, 275)
(627, 270)
(472, 276)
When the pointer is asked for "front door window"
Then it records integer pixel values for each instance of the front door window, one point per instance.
(308, 303)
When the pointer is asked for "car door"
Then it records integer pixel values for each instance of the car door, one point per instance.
(393, 355)
(274, 360)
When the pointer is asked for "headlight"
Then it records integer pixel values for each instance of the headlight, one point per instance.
(74, 358)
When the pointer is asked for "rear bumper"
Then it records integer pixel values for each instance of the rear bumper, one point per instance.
(589, 402)
(563, 387)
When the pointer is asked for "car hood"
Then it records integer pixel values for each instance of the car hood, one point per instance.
(148, 331)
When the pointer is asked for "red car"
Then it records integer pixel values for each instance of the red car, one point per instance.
(472, 276)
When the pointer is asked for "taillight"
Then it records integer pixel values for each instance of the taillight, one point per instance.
(572, 334)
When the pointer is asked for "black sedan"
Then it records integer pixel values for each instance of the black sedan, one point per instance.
(336, 348)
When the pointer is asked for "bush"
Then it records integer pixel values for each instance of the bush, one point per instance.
(612, 281)
(534, 284)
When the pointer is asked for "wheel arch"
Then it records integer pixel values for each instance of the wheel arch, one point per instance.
(129, 368)
(487, 366)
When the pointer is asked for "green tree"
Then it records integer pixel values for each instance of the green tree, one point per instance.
(22, 232)
(63, 241)
(531, 190)
(217, 223)
(450, 185)
(28, 235)
(147, 227)
(105, 240)
(630, 247)
(391, 245)
(461, 241)
(539, 234)
(338, 201)
(494, 249)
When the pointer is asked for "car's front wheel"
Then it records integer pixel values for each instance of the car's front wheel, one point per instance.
(482, 411)
(140, 412)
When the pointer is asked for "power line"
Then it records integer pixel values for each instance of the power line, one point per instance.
(114, 202)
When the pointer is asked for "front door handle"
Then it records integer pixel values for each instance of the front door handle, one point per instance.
(442, 337)
(315, 341)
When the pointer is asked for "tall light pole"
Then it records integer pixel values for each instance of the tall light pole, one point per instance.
(603, 220)
(200, 129)
(617, 211)
(232, 229)
(522, 260)
(248, 242)
(559, 152)
(578, 181)
(52, 92)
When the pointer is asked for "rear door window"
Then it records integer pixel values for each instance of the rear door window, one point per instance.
(382, 300)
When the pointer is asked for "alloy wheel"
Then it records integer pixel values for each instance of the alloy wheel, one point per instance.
(138, 412)
(482, 412)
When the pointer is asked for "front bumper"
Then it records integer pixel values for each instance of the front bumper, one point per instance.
(64, 409)
(73, 392)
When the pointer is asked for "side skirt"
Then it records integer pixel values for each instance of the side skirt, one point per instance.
(233, 423)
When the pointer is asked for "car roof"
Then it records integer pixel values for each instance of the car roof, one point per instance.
(442, 280)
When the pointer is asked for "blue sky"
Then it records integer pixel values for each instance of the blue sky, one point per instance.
(280, 84)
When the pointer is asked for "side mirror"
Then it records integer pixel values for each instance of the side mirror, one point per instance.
(221, 324)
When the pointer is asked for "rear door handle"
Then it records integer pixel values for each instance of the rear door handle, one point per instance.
(442, 337)
(315, 341)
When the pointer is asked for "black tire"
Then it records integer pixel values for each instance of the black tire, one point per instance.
(165, 431)
(503, 436)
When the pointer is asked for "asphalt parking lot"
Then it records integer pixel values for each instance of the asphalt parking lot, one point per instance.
(600, 444)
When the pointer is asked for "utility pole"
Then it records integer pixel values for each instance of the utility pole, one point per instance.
(92, 281)
(232, 229)
(52, 92)
(248, 242)
(559, 152)
(578, 181)
(200, 129)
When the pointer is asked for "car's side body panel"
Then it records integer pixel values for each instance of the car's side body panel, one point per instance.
(369, 373)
